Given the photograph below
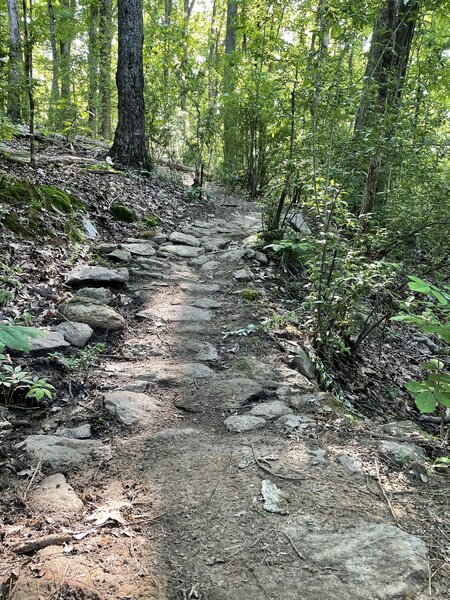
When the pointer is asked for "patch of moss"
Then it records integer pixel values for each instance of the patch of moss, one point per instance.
(249, 295)
(151, 221)
(123, 213)
(147, 234)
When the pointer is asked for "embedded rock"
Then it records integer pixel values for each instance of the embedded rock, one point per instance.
(52, 340)
(55, 495)
(85, 274)
(77, 334)
(119, 255)
(271, 410)
(205, 303)
(79, 432)
(129, 407)
(142, 249)
(243, 423)
(101, 294)
(178, 312)
(93, 313)
(222, 394)
(200, 288)
(181, 251)
(59, 451)
(183, 238)
(403, 453)
(243, 275)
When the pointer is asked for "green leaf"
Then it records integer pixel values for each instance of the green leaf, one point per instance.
(425, 402)
(443, 398)
(17, 337)
(415, 387)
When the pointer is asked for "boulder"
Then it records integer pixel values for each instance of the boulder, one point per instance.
(101, 294)
(55, 495)
(176, 237)
(86, 274)
(77, 334)
(60, 451)
(243, 423)
(93, 313)
(52, 340)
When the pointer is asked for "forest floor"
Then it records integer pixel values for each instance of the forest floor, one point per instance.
(211, 468)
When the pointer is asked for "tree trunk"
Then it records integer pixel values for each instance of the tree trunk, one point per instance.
(93, 65)
(229, 128)
(129, 147)
(104, 82)
(65, 46)
(28, 20)
(15, 63)
(54, 95)
(167, 20)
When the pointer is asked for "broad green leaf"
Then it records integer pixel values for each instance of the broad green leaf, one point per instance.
(443, 398)
(425, 402)
(415, 387)
(16, 337)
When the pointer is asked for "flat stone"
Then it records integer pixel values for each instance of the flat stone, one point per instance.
(223, 394)
(55, 495)
(205, 303)
(106, 248)
(101, 294)
(203, 351)
(77, 334)
(243, 423)
(403, 429)
(243, 275)
(379, 561)
(401, 452)
(308, 402)
(298, 382)
(80, 432)
(128, 407)
(177, 374)
(177, 313)
(134, 386)
(233, 256)
(200, 288)
(199, 261)
(214, 243)
(181, 251)
(142, 249)
(183, 238)
(271, 410)
(85, 274)
(209, 266)
(275, 500)
(119, 255)
(152, 263)
(251, 367)
(354, 465)
(59, 451)
(52, 340)
(93, 313)
(291, 422)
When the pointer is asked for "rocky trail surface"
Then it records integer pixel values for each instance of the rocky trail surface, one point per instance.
(223, 472)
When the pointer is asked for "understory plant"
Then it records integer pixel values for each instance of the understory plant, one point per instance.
(429, 310)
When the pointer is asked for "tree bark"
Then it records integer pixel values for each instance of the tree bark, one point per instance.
(54, 95)
(15, 63)
(129, 147)
(93, 64)
(229, 128)
(28, 20)
(65, 47)
(104, 82)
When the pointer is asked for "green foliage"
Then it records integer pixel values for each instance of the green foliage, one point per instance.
(17, 337)
(151, 221)
(16, 380)
(249, 295)
(120, 212)
(81, 361)
(434, 318)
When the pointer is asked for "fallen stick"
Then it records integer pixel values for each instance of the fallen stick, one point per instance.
(56, 539)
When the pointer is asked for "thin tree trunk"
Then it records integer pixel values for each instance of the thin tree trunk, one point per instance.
(28, 20)
(229, 128)
(104, 83)
(129, 147)
(54, 95)
(15, 63)
(93, 65)
(65, 46)
(167, 21)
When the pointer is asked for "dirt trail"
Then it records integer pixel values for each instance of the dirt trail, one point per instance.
(285, 510)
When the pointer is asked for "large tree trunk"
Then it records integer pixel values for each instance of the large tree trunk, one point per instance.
(93, 65)
(385, 75)
(129, 147)
(54, 95)
(104, 82)
(229, 128)
(65, 46)
(15, 63)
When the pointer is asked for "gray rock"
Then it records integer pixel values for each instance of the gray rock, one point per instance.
(243, 423)
(106, 248)
(199, 351)
(271, 410)
(119, 255)
(214, 243)
(135, 386)
(182, 251)
(182, 238)
(223, 394)
(151, 263)
(275, 500)
(308, 402)
(80, 432)
(176, 374)
(379, 561)
(93, 313)
(292, 422)
(89, 228)
(402, 429)
(129, 408)
(101, 294)
(243, 275)
(178, 313)
(403, 453)
(77, 334)
(200, 288)
(52, 340)
(299, 383)
(85, 274)
(209, 266)
(199, 261)
(205, 303)
(298, 223)
(59, 451)
(354, 465)
(233, 256)
(55, 495)
(251, 367)
(261, 257)
(303, 363)
(142, 249)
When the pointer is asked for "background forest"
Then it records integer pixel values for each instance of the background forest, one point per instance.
(333, 114)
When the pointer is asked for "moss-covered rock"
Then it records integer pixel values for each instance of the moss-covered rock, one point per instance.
(249, 295)
(151, 221)
(120, 212)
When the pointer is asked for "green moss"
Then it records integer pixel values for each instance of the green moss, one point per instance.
(151, 221)
(147, 234)
(249, 295)
(120, 212)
